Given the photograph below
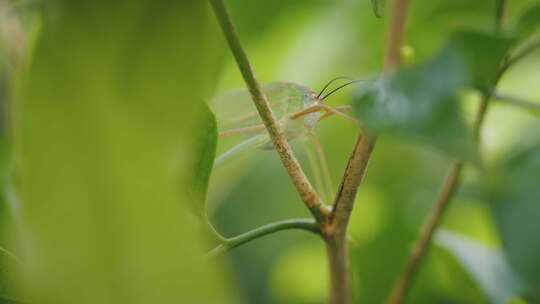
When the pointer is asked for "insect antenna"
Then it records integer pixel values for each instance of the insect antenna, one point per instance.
(341, 87)
(330, 82)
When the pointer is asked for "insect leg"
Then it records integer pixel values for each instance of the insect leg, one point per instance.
(327, 180)
(343, 109)
(308, 110)
(315, 169)
(254, 141)
(240, 131)
(339, 112)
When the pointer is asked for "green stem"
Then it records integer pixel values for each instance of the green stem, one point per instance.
(500, 10)
(516, 101)
(230, 243)
(421, 244)
(521, 53)
(291, 164)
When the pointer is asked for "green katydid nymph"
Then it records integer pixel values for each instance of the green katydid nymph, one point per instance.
(296, 108)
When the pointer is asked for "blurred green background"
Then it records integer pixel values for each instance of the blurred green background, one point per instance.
(310, 42)
(105, 114)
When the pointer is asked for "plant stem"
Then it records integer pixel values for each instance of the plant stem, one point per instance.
(516, 101)
(500, 11)
(291, 164)
(340, 275)
(418, 251)
(352, 177)
(396, 35)
(521, 53)
(450, 184)
(335, 229)
(230, 243)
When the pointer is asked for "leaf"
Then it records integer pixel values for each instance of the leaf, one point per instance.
(529, 21)
(488, 267)
(512, 189)
(482, 54)
(204, 144)
(109, 116)
(379, 6)
(422, 102)
(9, 265)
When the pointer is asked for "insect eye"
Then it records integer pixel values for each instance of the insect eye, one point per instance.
(309, 95)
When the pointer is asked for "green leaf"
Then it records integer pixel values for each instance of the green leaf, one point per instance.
(528, 22)
(106, 142)
(512, 189)
(9, 265)
(379, 6)
(420, 104)
(487, 267)
(482, 54)
(205, 140)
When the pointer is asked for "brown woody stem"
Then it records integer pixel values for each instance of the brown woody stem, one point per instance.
(291, 164)
(335, 229)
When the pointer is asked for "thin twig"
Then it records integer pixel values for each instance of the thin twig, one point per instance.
(425, 235)
(230, 243)
(336, 228)
(396, 35)
(500, 15)
(516, 101)
(291, 164)
(352, 177)
(450, 184)
(521, 53)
